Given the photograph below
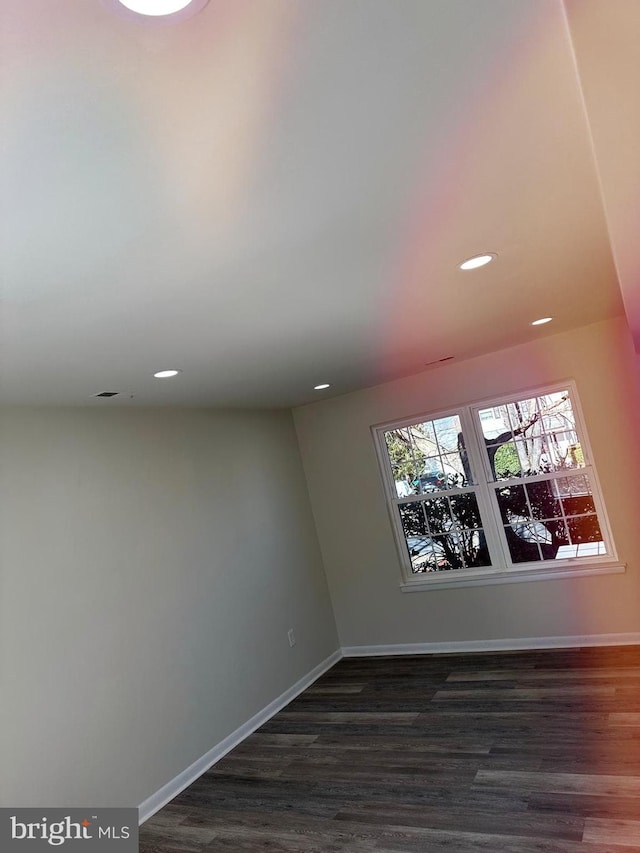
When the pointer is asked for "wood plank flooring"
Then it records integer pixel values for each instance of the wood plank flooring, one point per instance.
(520, 752)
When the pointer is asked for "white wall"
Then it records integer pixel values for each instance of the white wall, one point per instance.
(151, 564)
(354, 529)
(605, 46)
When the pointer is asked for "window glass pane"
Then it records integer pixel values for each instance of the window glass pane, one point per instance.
(555, 451)
(423, 440)
(447, 432)
(556, 414)
(438, 515)
(523, 414)
(394, 435)
(413, 520)
(583, 549)
(494, 422)
(454, 475)
(461, 550)
(421, 553)
(578, 505)
(575, 456)
(425, 433)
(465, 512)
(504, 460)
(431, 559)
(584, 529)
(449, 551)
(557, 536)
(577, 486)
(521, 548)
(477, 552)
(542, 500)
(431, 477)
(532, 531)
(404, 477)
(405, 456)
(512, 502)
(538, 455)
(533, 456)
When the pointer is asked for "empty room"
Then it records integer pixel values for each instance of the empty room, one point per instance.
(319, 416)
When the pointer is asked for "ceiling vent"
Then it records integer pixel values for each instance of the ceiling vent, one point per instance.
(107, 394)
(439, 360)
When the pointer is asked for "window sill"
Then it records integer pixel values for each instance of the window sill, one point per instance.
(499, 576)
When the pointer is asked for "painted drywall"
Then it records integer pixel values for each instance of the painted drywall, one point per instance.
(152, 562)
(605, 45)
(353, 525)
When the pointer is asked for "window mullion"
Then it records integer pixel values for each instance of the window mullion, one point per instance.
(476, 454)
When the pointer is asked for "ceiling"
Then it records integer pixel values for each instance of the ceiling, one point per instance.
(275, 194)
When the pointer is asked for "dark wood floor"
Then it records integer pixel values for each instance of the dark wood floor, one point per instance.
(523, 752)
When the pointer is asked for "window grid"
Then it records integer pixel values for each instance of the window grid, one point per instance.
(421, 496)
(562, 528)
(452, 528)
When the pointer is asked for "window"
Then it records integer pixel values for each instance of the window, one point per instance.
(505, 490)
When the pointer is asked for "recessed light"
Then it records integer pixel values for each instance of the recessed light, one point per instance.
(321, 387)
(161, 8)
(478, 261)
(166, 374)
(542, 321)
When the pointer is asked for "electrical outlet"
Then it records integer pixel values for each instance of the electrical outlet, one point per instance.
(291, 637)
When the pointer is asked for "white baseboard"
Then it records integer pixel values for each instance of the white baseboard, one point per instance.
(507, 645)
(156, 801)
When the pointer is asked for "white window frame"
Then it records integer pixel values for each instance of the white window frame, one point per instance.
(502, 570)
